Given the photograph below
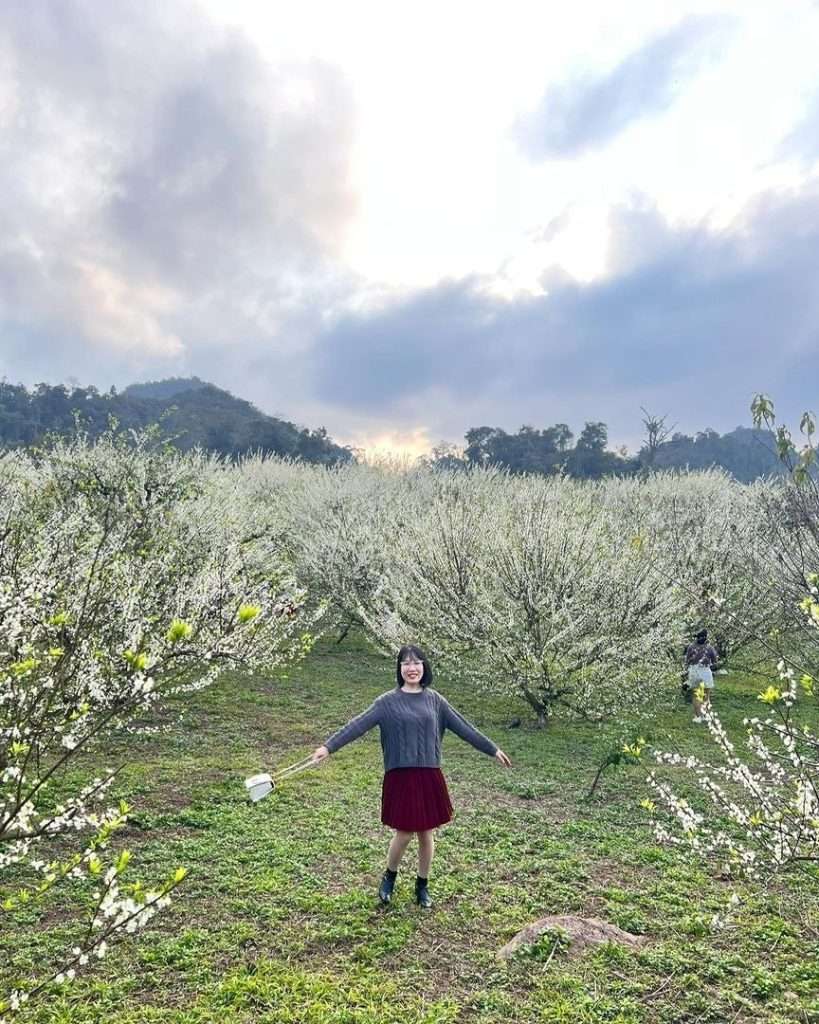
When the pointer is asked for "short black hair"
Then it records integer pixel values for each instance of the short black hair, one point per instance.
(701, 636)
(416, 652)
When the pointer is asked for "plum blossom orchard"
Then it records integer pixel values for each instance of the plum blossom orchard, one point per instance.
(130, 575)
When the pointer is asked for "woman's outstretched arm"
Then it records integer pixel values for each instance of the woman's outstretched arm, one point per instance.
(353, 729)
(455, 721)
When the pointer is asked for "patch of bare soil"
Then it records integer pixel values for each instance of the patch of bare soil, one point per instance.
(580, 933)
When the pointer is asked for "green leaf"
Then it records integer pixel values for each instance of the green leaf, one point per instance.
(21, 668)
(762, 410)
(248, 612)
(179, 630)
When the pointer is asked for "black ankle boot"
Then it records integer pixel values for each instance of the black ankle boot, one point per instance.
(422, 896)
(387, 885)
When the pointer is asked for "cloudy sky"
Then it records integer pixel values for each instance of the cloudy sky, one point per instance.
(400, 220)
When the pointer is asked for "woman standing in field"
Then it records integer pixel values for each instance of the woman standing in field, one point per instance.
(414, 796)
(700, 660)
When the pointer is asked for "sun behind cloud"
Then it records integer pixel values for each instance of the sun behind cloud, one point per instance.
(391, 444)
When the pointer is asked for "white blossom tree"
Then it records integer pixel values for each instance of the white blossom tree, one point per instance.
(704, 534)
(529, 587)
(130, 575)
(341, 525)
(765, 804)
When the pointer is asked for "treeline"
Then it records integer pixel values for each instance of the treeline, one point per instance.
(745, 453)
(191, 412)
(197, 414)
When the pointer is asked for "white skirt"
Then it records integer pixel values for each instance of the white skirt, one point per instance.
(700, 675)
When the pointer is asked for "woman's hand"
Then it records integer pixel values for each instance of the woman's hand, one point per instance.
(504, 760)
(320, 754)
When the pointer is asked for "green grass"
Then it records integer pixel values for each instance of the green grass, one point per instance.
(278, 920)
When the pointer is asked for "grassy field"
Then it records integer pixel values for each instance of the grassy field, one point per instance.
(279, 921)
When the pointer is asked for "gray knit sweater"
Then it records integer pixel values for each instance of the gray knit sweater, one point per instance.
(412, 726)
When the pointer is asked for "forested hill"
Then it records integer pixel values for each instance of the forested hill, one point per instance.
(745, 453)
(193, 413)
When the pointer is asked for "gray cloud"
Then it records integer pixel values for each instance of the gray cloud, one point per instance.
(691, 321)
(589, 111)
(165, 190)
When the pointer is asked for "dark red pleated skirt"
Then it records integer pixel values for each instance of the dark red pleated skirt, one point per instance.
(415, 799)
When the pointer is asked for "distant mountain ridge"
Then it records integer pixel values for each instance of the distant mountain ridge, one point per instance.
(194, 413)
(191, 411)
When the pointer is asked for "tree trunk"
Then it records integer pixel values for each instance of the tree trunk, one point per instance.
(536, 704)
